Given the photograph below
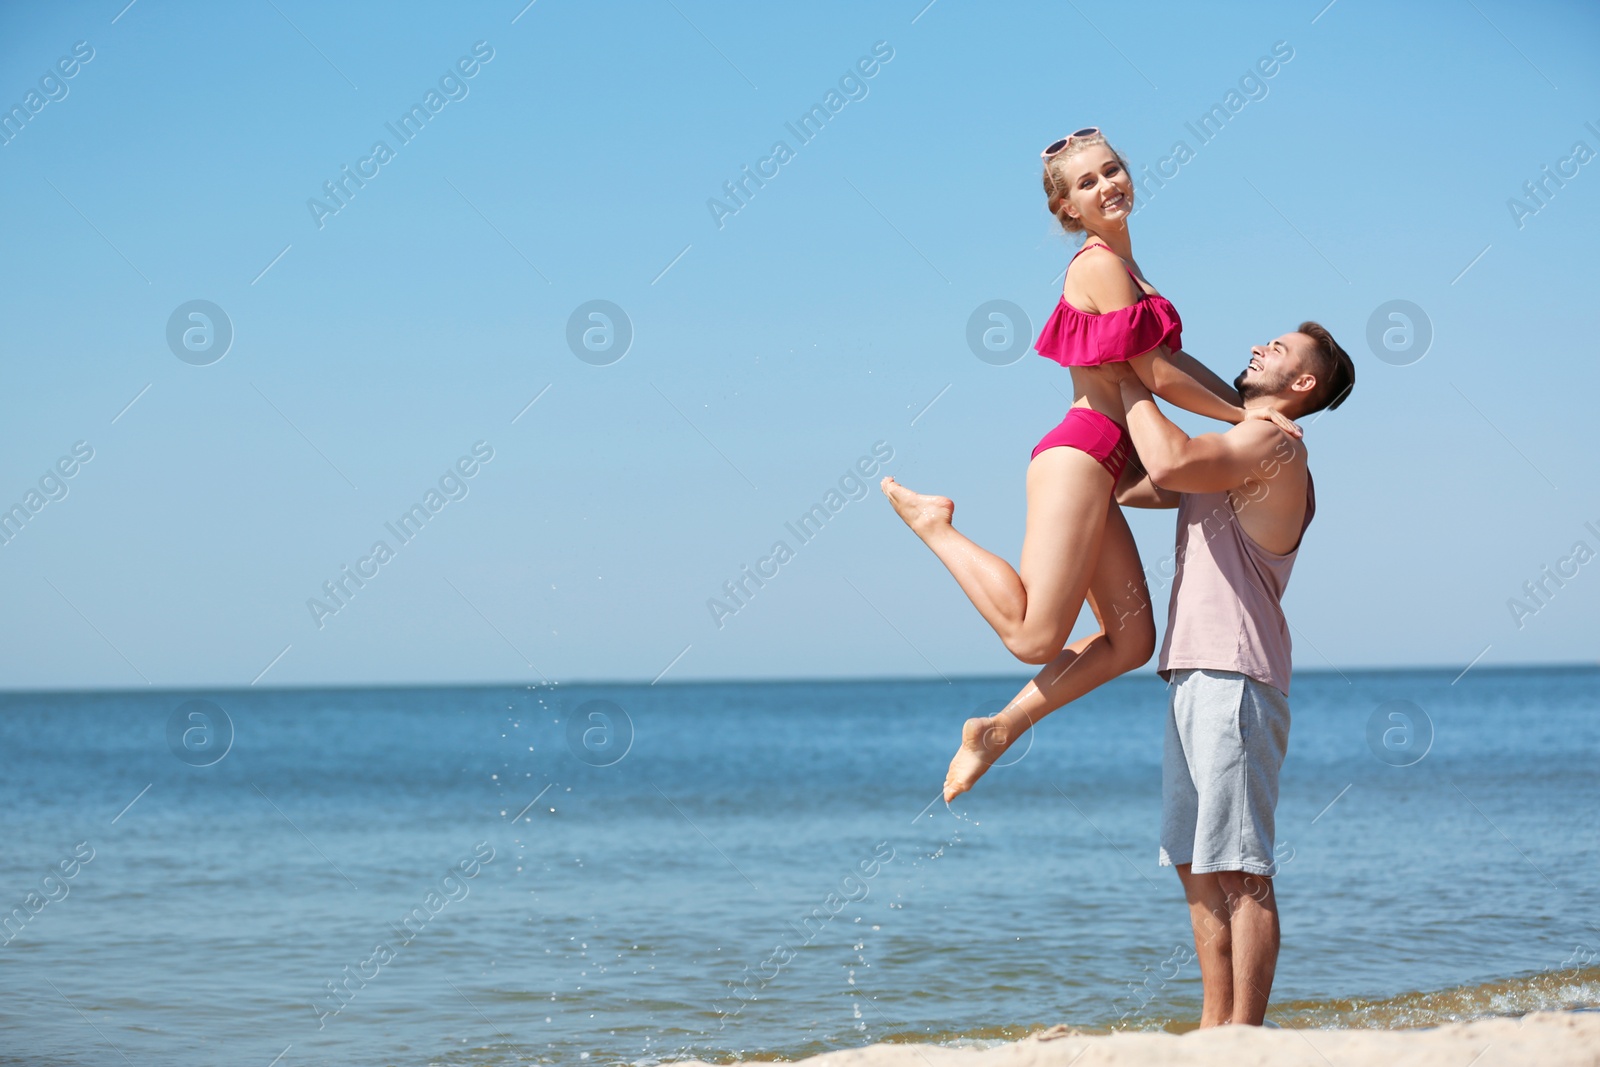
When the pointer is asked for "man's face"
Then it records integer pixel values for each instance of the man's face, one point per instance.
(1274, 365)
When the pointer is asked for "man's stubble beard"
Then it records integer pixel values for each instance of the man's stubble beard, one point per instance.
(1251, 390)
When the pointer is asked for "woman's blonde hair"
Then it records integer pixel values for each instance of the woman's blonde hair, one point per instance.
(1057, 181)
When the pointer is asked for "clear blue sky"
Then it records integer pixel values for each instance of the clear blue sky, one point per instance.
(768, 353)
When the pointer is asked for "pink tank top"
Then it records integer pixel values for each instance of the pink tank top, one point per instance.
(1076, 338)
(1226, 612)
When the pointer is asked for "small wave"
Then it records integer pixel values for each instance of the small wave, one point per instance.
(1576, 989)
(1569, 990)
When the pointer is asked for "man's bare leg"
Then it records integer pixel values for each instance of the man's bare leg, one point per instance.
(1127, 637)
(1253, 921)
(1213, 943)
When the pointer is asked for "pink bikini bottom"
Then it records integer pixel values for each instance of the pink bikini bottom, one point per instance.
(1089, 431)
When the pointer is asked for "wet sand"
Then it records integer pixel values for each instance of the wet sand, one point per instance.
(1548, 1039)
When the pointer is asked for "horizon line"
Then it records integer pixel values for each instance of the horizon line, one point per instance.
(825, 680)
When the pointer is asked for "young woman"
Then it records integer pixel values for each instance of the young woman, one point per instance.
(1077, 543)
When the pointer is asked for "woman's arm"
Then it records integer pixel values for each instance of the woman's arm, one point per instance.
(1172, 382)
(1203, 374)
(1103, 285)
(1156, 372)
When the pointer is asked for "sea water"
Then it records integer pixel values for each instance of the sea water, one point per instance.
(609, 874)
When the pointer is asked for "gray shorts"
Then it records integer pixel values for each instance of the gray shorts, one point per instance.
(1226, 738)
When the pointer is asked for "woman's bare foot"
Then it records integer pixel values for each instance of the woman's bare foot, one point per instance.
(982, 742)
(921, 512)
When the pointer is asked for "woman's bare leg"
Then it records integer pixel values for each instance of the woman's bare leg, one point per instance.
(1127, 637)
(1033, 611)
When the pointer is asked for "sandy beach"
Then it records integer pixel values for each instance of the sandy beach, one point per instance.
(1542, 1039)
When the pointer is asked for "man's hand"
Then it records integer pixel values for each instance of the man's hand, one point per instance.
(1133, 388)
(1118, 371)
(1207, 464)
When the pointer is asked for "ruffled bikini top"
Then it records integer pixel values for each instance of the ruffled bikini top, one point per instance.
(1076, 338)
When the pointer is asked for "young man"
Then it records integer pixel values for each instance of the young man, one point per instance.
(1244, 500)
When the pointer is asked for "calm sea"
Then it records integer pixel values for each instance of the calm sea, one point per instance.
(632, 874)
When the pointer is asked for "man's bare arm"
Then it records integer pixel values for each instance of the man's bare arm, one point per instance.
(1209, 463)
(1136, 490)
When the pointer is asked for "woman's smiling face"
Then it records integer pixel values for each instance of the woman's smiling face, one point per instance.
(1099, 189)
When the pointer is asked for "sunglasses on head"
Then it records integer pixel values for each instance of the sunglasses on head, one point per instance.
(1058, 146)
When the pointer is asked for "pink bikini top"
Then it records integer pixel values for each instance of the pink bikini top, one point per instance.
(1076, 338)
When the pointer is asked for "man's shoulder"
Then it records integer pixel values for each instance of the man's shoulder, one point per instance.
(1256, 433)
(1260, 439)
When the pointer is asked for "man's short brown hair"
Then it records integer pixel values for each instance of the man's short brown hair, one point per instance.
(1334, 370)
